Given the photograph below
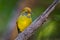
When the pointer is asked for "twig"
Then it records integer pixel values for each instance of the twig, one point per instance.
(38, 22)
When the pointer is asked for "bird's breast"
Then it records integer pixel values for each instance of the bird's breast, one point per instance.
(23, 22)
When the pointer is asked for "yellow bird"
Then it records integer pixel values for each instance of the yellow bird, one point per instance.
(24, 20)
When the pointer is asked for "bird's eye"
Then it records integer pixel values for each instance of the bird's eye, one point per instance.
(26, 12)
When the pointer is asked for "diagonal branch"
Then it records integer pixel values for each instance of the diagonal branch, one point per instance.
(38, 22)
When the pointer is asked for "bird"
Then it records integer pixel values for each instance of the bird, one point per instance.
(24, 20)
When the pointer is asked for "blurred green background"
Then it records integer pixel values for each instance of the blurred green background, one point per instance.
(50, 30)
(6, 8)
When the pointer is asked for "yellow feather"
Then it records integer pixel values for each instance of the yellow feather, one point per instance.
(23, 22)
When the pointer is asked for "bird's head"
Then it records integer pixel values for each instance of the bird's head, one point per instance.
(26, 11)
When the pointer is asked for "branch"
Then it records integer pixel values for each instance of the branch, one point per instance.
(38, 22)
